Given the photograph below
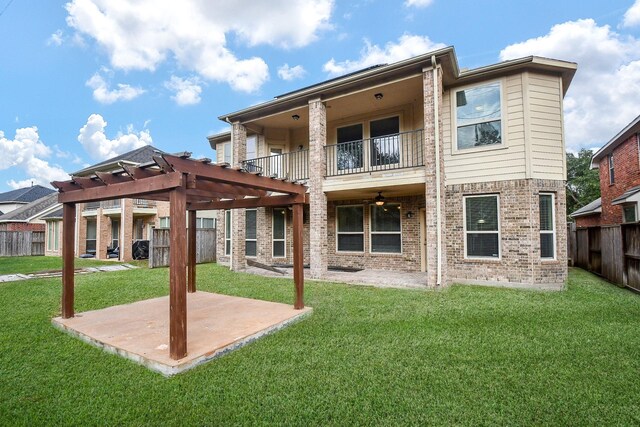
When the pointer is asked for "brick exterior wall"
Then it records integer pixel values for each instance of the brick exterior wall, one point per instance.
(520, 261)
(21, 226)
(626, 162)
(588, 221)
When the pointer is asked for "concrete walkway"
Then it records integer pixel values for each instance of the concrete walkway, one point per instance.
(58, 273)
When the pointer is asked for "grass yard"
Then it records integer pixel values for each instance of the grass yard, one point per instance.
(466, 356)
(34, 264)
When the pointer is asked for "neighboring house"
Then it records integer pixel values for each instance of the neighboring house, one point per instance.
(29, 217)
(618, 164)
(412, 166)
(13, 199)
(103, 227)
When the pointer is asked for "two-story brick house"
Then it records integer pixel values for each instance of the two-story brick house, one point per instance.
(618, 164)
(413, 166)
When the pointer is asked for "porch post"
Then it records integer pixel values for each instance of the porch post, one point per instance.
(191, 256)
(317, 199)
(68, 240)
(298, 260)
(177, 274)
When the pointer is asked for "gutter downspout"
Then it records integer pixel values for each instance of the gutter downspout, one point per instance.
(438, 195)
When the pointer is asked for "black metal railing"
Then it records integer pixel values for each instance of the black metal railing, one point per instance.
(395, 151)
(293, 166)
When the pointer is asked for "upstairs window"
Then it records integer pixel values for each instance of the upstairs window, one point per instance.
(612, 175)
(350, 153)
(479, 116)
(252, 147)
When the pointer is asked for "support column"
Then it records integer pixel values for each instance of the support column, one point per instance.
(239, 143)
(298, 259)
(68, 240)
(191, 256)
(177, 274)
(435, 182)
(317, 198)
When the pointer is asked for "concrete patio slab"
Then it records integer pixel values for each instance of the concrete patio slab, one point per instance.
(216, 324)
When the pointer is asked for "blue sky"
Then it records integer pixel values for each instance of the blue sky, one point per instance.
(84, 80)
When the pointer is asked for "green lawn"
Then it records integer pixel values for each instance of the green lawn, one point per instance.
(34, 264)
(464, 356)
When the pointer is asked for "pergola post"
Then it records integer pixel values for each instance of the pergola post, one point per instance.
(191, 253)
(68, 242)
(177, 274)
(298, 256)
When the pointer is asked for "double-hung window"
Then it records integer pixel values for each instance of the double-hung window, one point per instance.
(547, 227)
(612, 176)
(482, 226)
(227, 232)
(386, 236)
(350, 228)
(53, 230)
(629, 213)
(279, 233)
(251, 236)
(205, 222)
(164, 222)
(478, 113)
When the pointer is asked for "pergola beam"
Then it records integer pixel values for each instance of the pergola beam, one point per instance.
(253, 202)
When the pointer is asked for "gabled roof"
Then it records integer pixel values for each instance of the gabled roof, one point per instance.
(622, 136)
(25, 195)
(31, 210)
(592, 208)
(56, 214)
(135, 157)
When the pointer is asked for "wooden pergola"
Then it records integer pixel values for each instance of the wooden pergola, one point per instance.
(189, 185)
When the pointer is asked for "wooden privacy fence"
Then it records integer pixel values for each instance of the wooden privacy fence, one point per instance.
(21, 243)
(612, 252)
(159, 246)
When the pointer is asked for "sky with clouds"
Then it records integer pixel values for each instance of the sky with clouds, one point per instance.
(85, 80)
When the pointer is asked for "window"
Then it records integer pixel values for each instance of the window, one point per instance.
(386, 236)
(275, 162)
(629, 213)
(227, 233)
(224, 152)
(547, 227)
(349, 149)
(91, 237)
(53, 230)
(164, 222)
(478, 116)
(252, 148)
(138, 229)
(115, 234)
(205, 223)
(481, 227)
(611, 171)
(251, 237)
(384, 141)
(279, 233)
(350, 228)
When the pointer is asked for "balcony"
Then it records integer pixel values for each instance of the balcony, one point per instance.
(293, 166)
(91, 206)
(396, 151)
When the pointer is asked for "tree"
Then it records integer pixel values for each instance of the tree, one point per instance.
(583, 183)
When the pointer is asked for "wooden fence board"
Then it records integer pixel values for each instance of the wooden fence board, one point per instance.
(159, 247)
(21, 243)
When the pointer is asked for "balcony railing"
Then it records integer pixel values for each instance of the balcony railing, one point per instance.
(91, 206)
(396, 151)
(144, 203)
(110, 204)
(293, 166)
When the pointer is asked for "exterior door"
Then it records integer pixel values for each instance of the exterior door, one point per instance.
(423, 240)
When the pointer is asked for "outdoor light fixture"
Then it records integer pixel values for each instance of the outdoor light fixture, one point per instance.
(378, 95)
(409, 214)
(295, 117)
(379, 199)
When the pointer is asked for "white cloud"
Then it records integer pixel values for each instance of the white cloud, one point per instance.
(598, 104)
(56, 38)
(632, 16)
(418, 3)
(407, 46)
(95, 142)
(288, 73)
(186, 91)
(142, 35)
(104, 95)
(26, 151)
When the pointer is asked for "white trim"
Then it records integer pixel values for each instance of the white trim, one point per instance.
(454, 114)
(284, 228)
(464, 225)
(338, 232)
(553, 227)
(371, 232)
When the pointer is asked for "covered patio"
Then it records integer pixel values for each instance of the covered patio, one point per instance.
(189, 185)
